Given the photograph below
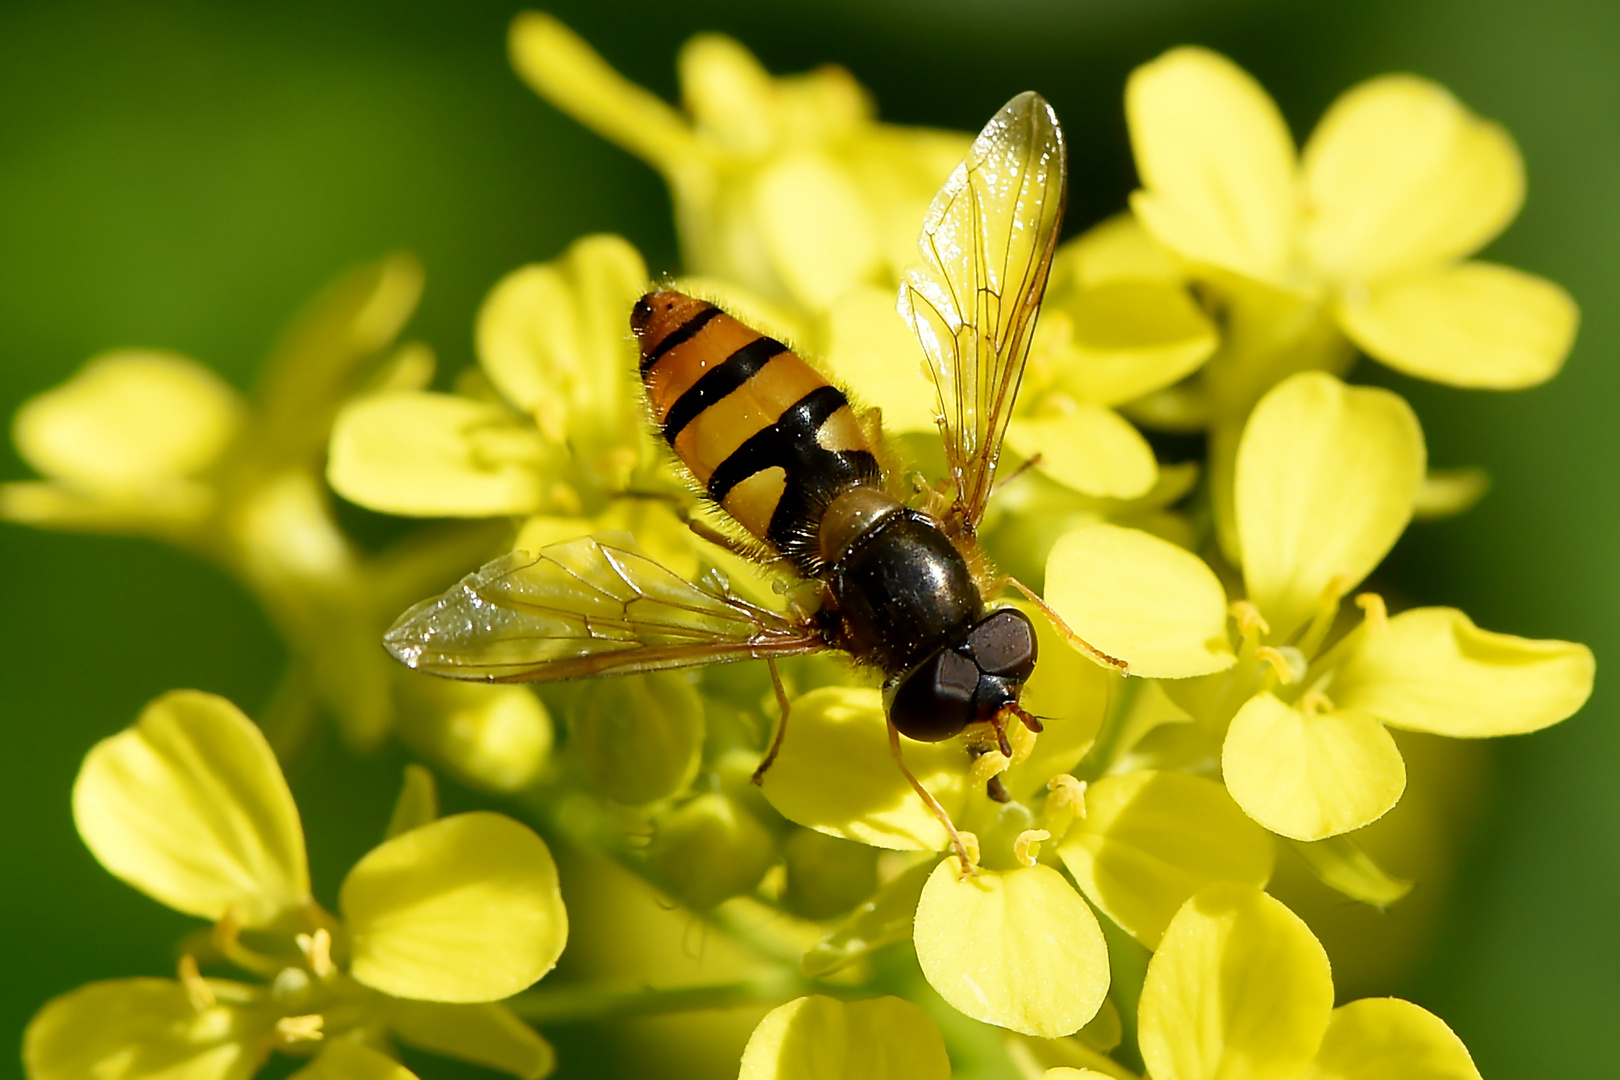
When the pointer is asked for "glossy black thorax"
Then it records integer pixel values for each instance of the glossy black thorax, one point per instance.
(902, 590)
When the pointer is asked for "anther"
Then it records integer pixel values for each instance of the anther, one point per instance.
(1027, 848)
(1288, 662)
(317, 950)
(1250, 622)
(1375, 613)
(295, 1029)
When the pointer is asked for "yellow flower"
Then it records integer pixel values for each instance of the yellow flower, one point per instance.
(1240, 987)
(786, 186)
(820, 1038)
(445, 917)
(152, 443)
(1325, 481)
(563, 427)
(1396, 186)
(1361, 240)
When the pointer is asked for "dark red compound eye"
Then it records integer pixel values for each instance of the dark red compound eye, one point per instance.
(1003, 643)
(935, 700)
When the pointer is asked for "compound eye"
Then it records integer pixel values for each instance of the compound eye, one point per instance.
(934, 700)
(1003, 643)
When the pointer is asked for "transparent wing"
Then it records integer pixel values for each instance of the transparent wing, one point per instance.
(986, 246)
(592, 606)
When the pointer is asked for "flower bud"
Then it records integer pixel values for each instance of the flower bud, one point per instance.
(711, 849)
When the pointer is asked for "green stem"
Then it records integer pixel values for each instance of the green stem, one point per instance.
(602, 1001)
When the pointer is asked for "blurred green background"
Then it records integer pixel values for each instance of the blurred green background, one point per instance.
(185, 175)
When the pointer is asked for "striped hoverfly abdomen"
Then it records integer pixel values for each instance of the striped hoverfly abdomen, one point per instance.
(764, 434)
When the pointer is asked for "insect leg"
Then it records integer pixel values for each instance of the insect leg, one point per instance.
(932, 803)
(781, 725)
(1023, 467)
(1068, 632)
(682, 509)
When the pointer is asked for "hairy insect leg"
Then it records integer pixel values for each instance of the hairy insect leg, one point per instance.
(929, 801)
(781, 725)
(1068, 632)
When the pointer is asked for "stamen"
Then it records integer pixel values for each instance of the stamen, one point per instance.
(1376, 614)
(989, 764)
(1288, 661)
(1067, 791)
(197, 988)
(317, 950)
(1250, 622)
(296, 1029)
(1027, 848)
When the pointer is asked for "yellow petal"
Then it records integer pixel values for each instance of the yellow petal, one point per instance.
(434, 455)
(1237, 988)
(816, 227)
(465, 910)
(728, 92)
(639, 737)
(175, 509)
(554, 339)
(1432, 669)
(1399, 176)
(129, 422)
(1144, 600)
(484, 1034)
(1116, 249)
(1325, 480)
(819, 1038)
(1475, 325)
(1018, 949)
(834, 773)
(190, 807)
(1090, 448)
(1071, 696)
(1389, 1039)
(876, 357)
(344, 1059)
(1150, 840)
(1216, 162)
(1123, 339)
(1063, 1072)
(321, 360)
(1310, 776)
(138, 1029)
(564, 70)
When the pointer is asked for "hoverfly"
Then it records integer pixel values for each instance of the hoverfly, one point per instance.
(769, 441)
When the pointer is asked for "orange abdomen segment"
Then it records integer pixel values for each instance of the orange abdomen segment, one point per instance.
(769, 438)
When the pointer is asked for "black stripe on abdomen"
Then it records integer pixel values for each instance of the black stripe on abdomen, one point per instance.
(682, 333)
(719, 382)
(815, 475)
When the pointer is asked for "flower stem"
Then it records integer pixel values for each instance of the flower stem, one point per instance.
(608, 1000)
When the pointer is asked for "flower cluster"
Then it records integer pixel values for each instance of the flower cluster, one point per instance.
(1116, 881)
